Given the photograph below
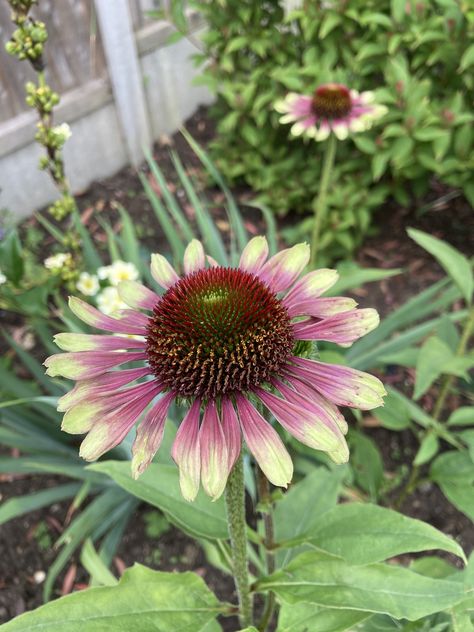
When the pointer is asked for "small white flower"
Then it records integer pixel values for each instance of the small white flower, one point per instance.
(109, 301)
(88, 284)
(63, 130)
(56, 262)
(3, 278)
(103, 272)
(122, 271)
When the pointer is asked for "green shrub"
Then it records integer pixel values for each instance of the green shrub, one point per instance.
(417, 56)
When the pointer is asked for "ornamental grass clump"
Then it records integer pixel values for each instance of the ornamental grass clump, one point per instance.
(223, 341)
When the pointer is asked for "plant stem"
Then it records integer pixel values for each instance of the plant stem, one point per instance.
(320, 202)
(235, 504)
(269, 541)
(445, 389)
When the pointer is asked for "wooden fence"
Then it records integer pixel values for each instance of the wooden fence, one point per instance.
(121, 85)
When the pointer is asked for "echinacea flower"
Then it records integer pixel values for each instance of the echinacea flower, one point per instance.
(224, 341)
(333, 107)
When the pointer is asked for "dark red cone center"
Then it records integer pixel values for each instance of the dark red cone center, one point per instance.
(217, 332)
(332, 101)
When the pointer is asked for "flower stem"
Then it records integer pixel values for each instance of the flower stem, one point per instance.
(444, 391)
(235, 504)
(265, 500)
(320, 203)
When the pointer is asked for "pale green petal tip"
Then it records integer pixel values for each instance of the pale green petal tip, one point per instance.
(189, 490)
(61, 365)
(298, 256)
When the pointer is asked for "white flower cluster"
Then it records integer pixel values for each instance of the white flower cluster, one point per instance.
(56, 262)
(63, 132)
(3, 278)
(108, 299)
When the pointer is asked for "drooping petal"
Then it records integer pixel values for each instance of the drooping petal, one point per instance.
(310, 286)
(341, 328)
(231, 430)
(187, 453)
(341, 385)
(85, 342)
(109, 431)
(284, 268)
(81, 417)
(91, 316)
(88, 364)
(150, 435)
(137, 295)
(162, 271)
(214, 455)
(265, 444)
(308, 425)
(322, 307)
(254, 255)
(194, 257)
(330, 409)
(101, 385)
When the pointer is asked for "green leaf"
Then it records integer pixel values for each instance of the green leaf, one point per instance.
(364, 533)
(159, 486)
(303, 505)
(455, 263)
(11, 258)
(307, 617)
(131, 245)
(467, 59)
(367, 463)
(145, 600)
(435, 359)
(393, 414)
(463, 416)
(330, 21)
(20, 505)
(328, 581)
(94, 565)
(428, 449)
(454, 473)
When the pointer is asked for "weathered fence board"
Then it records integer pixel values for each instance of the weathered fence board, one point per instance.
(73, 54)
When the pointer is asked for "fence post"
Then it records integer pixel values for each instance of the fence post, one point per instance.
(118, 38)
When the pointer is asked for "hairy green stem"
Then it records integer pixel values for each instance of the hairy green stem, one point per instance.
(446, 385)
(320, 203)
(269, 541)
(235, 505)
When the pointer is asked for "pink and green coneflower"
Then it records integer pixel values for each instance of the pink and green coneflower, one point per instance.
(331, 113)
(223, 341)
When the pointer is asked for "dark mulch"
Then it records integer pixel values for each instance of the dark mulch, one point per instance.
(22, 557)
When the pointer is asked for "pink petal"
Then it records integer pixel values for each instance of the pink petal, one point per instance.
(285, 267)
(88, 364)
(254, 255)
(109, 431)
(231, 430)
(162, 271)
(342, 328)
(150, 435)
(339, 384)
(214, 454)
(307, 423)
(133, 324)
(194, 258)
(186, 452)
(321, 307)
(310, 286)
(137, 295)
(265, 444)
(100, 385)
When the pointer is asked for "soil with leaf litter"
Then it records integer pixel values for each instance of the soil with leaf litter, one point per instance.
(27, 543)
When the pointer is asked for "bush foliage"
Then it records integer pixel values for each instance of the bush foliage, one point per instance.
(417, 56)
